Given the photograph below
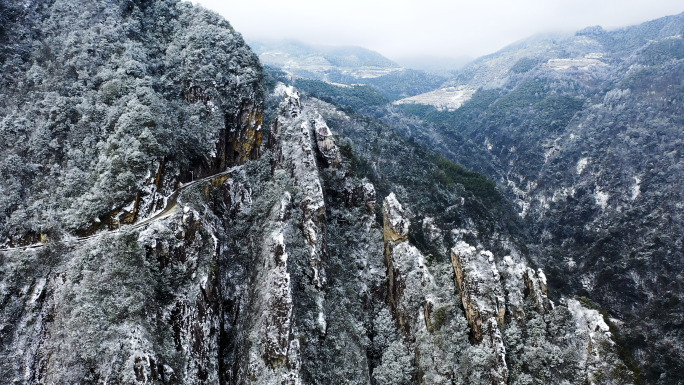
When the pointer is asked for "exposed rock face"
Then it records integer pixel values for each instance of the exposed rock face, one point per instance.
(275, 270)
(584, 132)
(535, 284)
(242, 138)
(294, 137)
(275, 334)
(357, 194)
(405, 266)
(326, 146)
(596, 336)
(106, 303)
(274, 356)
(482, 296)
(396, 224)
(232, 283)
(480, 286)
(418, 301)
(395, 233)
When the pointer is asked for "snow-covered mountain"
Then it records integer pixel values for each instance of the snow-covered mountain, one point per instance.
(345, 66)
(301, 59)
(171, 213)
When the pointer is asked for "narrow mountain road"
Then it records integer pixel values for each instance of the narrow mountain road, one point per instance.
(170, 208)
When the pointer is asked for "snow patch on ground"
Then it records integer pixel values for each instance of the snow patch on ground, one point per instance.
(445, 99)
(573, 64)
(587, 281)
(521, 196)
(370, 72)
(488, 144)
(340, 85)
(590, 319)
(563, 193)
(636, 188)
(38, 290)
(601, 198)
(463, 248)
(581, 165)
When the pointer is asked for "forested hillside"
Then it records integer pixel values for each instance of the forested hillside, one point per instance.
(108, 104)
(172, 213)
(585, 133)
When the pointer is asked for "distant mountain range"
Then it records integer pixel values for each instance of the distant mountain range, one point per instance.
(318, 61)
(588, 50)
(347, 66)
(174, 212)
(584, 133)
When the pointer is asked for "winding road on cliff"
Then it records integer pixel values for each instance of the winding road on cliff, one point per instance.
(170, 208)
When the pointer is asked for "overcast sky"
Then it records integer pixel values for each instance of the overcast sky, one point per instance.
(400, 28)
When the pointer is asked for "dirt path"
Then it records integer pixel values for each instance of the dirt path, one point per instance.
(171, 207)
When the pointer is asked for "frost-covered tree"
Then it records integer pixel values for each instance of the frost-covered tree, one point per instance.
(108, 94)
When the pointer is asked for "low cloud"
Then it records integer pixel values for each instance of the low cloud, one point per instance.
(430, 27)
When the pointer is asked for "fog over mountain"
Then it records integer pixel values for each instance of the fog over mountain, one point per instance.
(435, 28)
(180, 205)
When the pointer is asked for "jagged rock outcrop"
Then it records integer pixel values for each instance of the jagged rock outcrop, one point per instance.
(324, 141)
(362, 193)
(293, 236)
(535, 285)
(596, 337)
(295, 138)
(233, 262)
(479, 284)
(273, 353)
(395, 223)
(482, 297)
(236, 282)
(407, 274)
(487, 291)
(583, 132)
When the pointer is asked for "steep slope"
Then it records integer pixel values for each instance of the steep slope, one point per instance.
(244, 284)
(107, 106)
(589, 145)
(400, 320)
(212, 257)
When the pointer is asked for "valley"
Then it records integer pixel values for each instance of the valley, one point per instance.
(182, 206)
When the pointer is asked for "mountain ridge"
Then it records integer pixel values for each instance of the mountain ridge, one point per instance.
(575, 138)
(203, 221)
(351, 66)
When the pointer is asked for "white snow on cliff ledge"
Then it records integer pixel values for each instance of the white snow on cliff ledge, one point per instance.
(587, 319)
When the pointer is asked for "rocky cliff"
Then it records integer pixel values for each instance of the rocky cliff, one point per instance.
(583, 132)
(107, 106)
(251, 278)
(178, 247)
